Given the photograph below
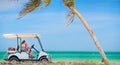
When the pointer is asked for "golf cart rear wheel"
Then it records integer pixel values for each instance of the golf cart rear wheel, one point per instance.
(14, 59)
(44, 59)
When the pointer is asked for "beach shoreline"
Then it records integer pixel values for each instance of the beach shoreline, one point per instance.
(55, 63)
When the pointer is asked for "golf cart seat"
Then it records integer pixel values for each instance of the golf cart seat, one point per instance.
(11, 50)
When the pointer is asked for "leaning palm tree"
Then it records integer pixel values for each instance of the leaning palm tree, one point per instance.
(33, 4)
(71, 5)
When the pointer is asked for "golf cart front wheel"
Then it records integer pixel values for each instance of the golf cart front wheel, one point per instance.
(43, 59)
(14, 59)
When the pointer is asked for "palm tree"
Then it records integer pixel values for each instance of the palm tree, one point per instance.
(71, 5)
(33, 4)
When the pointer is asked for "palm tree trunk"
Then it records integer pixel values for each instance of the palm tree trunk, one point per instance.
(104, 58)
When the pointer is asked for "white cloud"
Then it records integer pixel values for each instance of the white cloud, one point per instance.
(8, 5)
(106, 17)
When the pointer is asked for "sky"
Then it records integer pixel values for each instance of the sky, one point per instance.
(103, 16)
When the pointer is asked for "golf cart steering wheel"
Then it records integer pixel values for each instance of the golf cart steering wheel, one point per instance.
(32, 46)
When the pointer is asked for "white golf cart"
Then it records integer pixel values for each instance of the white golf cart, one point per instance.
(15, 54)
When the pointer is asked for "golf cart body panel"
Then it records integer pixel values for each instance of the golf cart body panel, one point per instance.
(20, 55)
(42, 54)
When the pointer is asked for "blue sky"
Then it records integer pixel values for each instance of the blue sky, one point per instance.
(102, 15)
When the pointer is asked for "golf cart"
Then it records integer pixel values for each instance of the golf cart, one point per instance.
(15, 54)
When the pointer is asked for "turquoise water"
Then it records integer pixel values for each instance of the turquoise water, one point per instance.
(76, 56)
(84, 56)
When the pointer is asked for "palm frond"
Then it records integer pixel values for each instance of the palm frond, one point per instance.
(70, 16)
(69, 4)
(30, 6)
(47, 2)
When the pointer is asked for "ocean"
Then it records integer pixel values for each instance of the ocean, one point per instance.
(80, 56)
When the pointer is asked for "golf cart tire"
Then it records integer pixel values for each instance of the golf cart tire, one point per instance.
(14, 58)
(43, 59)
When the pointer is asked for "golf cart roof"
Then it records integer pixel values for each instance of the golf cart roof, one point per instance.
(21, 35)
